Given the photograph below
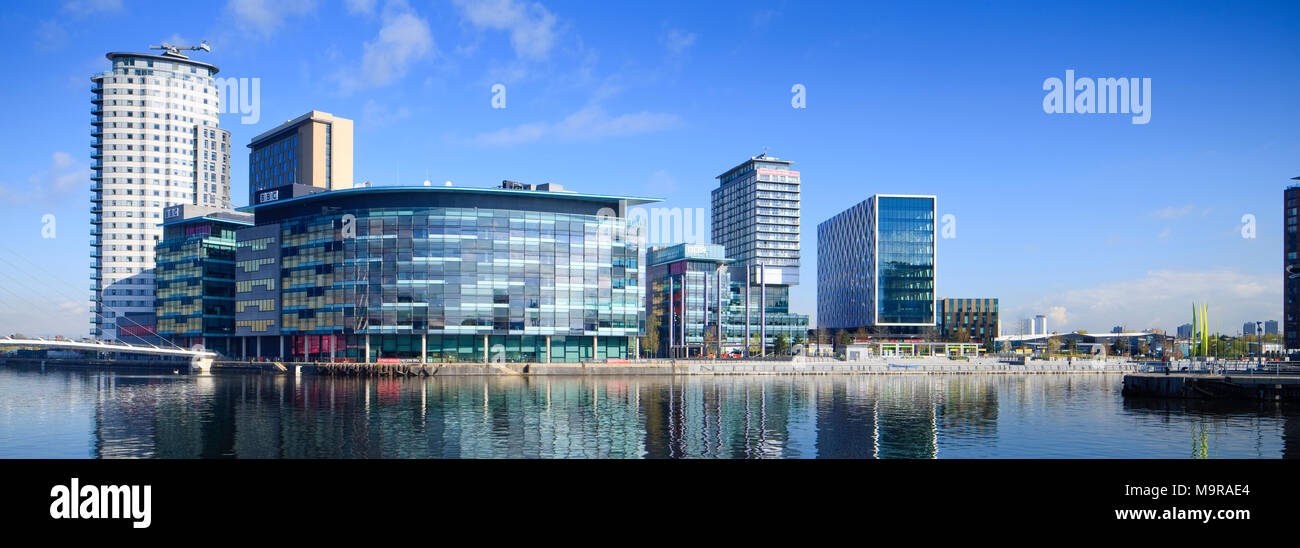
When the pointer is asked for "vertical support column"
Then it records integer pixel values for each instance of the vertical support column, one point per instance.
(485, 349)
(548, 349)
(424, 348)
(745, 347)
(718, 280)
(258, 339)
(686, 349)
(672, 325)
(334, 347)
(636, 348)
(595, 348)
(704, 323)
(367, 359)
(306, 348)
(762, 310)
(243, 351)
(282, 352)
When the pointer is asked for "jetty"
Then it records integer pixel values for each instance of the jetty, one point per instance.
(1238, 386)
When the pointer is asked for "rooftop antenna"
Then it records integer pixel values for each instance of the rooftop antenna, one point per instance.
(170, 49)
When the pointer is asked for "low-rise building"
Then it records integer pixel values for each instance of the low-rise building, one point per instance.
(195, 275)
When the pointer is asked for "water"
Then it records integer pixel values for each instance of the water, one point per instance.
(100, 414)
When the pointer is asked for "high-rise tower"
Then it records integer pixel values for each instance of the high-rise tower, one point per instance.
(156, 143)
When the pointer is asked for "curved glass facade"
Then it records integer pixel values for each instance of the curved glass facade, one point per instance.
(413, 270)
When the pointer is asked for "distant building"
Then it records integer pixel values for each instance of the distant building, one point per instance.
(876, 264)
(1270, 327)
(1185, 331)
(1248, 329)
(977, 318)
(1117, 329)
(314, 149)
(195, 275)
(1040, 325)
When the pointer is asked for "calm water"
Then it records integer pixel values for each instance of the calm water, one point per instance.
(75, 413)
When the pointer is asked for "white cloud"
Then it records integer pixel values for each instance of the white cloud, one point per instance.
(1170, 213)
(364, 7)
(92, 7)
(1163, 299)
(375, 115)
(403, 39)
(531, 26)
(61, 180)
(263, 17)
(677, 41)
(589, 123)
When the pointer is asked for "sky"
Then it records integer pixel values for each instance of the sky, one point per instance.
(1089, 218)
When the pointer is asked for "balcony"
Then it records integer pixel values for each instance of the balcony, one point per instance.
(96, 143)
(94, 121)
(97, 110)
(96, 98)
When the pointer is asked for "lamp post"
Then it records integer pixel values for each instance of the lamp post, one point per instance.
(1259, 340)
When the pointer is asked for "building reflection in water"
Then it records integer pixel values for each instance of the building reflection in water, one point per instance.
(277, 416)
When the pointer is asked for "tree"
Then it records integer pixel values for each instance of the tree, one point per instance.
(1053, 345)
(650, 342)
(823, 336)
(862, 333)
(1143, 348)
(1121, 346)
(1071, 346)
(843, 339)
(780, 345)
(961, 335)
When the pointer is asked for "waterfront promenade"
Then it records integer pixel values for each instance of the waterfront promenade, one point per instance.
(881, 366)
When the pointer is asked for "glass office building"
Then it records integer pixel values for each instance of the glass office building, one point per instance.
(441, 274)
(876, 264)
(693, 296)
(195, 275)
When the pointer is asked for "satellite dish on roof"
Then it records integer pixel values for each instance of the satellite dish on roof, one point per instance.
(428, 182)
(448, 183)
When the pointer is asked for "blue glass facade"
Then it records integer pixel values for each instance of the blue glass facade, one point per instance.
(692, 293)
(876, 264)
(442, 274)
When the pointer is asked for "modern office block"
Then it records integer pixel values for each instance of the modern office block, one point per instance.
(973, 319)
(695, 283)
(195, 275)
(876, 264)
(314, 149)
(156, 144)
(440, 274)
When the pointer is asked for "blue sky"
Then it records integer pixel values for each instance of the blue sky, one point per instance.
(1089, 218)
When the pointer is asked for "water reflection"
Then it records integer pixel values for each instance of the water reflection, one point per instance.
(276, 416)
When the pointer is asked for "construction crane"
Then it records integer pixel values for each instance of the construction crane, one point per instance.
(176, 50)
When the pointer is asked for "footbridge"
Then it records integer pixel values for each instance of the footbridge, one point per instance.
(199, 360)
